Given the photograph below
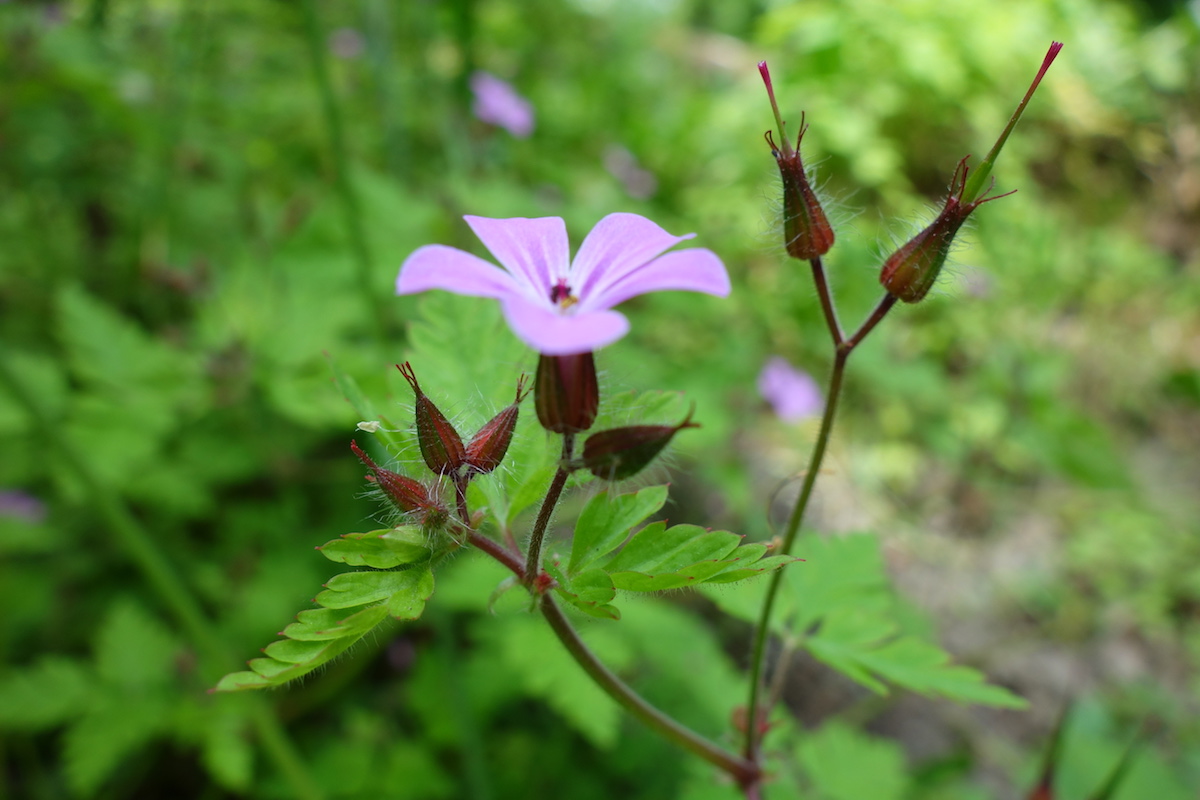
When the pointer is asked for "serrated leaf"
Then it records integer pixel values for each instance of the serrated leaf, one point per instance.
(839, 571)
(863, 646)
(606, 521)
(925, 668)
(760, 567)
(268, 672)
(322, 624)
(658, 549)
(360, 588)
(382, 549)
(409, 603)
(49, 693)
(591, 591)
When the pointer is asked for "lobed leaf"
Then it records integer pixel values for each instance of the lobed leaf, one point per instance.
(361, 588)
(606, 521)
(382, 549)
(591, 591)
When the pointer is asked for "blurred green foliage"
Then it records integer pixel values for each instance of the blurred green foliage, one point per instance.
(205, 203)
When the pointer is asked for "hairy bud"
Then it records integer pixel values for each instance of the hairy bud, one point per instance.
(441, 446)
(621, 453)
(489, 445)
(566, 392)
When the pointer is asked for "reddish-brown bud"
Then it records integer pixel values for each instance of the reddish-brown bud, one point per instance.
(911, 271)
(566, 392)
(806, 230)
(407, 494)
(489, 445)
(441, 446)
(621, 453)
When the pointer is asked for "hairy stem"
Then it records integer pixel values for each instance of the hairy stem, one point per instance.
(533, 561)
(842, 351)
(163, 579)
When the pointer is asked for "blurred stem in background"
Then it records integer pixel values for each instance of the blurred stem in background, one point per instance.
(351, 214)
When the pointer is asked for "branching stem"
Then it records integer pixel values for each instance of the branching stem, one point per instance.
(533, 560)
(842, 349)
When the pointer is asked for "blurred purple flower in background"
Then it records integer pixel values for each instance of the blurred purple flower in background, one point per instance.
(347, 43)
(497, 103)
(622, 165)
(792, 393)
(21, 505)
(556, 305)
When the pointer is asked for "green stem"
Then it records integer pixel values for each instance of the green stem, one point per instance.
(833, 395)
(744, 771)
(533, 560)
(164, 580)
(352, 217)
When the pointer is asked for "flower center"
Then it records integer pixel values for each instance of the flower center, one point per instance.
(560, 295)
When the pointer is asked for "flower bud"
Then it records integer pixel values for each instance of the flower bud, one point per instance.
(441, 446)
(806, 230)
(566, 392)
(488, 446)
(911, 271)
(621, 453)
(407, 494)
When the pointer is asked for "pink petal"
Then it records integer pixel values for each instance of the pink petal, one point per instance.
(534, 251)
(695, 270)
(437, 266)
(619, 244)
(555, 334)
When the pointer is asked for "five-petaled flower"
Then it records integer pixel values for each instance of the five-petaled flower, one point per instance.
(557, 305)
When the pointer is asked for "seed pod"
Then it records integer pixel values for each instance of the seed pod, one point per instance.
(441, 446)
(807, 233)
(489, 445)
(911, 271)
(621, 453)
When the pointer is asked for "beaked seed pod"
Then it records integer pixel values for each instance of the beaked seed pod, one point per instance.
(620, 453)
(489, 445)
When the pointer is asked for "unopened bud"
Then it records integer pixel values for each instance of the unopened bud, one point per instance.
(407, 494)
(621, 453)
(488, 446)
(806, 230)
(911, 271)
(566, 392)
(441, 446)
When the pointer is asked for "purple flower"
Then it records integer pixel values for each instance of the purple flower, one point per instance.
(21, 505)
(497, 103)
(792, 393)
(555, 305)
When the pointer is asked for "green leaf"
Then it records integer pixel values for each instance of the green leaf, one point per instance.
(134, 649)
(360, 588)
(227, 752)
(606, 521)
(657, 548)
(591, 591)
(838, 571)
(111, 730)
(843, 764)
(320, 635)
(862, 645)
(323, 624)
(47, 694)
(382, 549)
